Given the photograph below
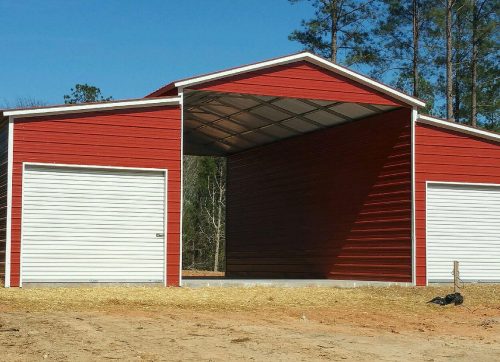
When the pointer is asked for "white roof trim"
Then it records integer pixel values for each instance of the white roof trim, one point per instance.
(77, 108)
(458, 127)
(309, 57)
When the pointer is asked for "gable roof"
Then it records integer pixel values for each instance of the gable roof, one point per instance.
(299, 57)
(457, 127)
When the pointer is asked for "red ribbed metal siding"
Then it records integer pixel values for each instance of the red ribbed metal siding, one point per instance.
(448, 156)
(143, 138)
(331, 204)
(299, 80)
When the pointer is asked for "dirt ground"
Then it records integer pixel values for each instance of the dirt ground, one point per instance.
(201, 273)
(233, 324)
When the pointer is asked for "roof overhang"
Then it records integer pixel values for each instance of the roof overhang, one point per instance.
(452, 126)
(303, 56)
(91, 107)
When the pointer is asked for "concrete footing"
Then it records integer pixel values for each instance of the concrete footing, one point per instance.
(198, 282)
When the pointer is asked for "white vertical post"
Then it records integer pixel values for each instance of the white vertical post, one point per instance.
(10, 167)
(414, 116)
(181, 95)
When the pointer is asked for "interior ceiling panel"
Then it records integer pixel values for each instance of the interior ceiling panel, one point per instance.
(203, 116)
(239, 142)
(299, 125)
(218, 109)
(259, 138)
(250, 120)
(279, 132)
(239, 102)
(192, 124)
(321, 103)
(294, 105)
(219, 124)
(270, 113)
(231, 126)
(325, 118)
(383, 107)
(353, 110)
(213, 132)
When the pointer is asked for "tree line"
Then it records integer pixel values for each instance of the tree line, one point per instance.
(443, 51)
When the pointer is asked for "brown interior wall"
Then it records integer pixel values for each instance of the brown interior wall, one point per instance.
(331, 204)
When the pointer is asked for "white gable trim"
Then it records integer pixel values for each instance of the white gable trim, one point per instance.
(459, 128)
(78, 108)
(311, 58)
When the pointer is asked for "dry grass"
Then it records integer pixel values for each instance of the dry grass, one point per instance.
(403, 300)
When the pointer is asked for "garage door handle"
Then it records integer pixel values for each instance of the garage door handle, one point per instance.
(160, 235)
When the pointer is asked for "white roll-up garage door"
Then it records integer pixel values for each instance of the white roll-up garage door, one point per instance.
(463, 224)
(93, 225)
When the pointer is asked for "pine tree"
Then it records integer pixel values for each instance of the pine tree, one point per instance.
(484, 60)
(399, 47)
(84, 93)
(338, 30)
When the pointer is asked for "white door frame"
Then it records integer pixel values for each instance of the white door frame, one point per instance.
(97, 167)
(427, 183)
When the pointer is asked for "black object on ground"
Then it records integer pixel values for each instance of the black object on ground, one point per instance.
(455, 298)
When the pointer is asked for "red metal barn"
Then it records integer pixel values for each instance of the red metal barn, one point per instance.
(331, 175)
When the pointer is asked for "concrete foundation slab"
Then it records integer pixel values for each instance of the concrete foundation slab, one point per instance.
(195, 282)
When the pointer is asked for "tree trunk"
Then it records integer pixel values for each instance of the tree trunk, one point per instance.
(473, 108)
(333, 14)
(458, 68)
(458, 98)
(415, 47)
(449, 66)
(217, 251)
(221, 189)
(218, 232)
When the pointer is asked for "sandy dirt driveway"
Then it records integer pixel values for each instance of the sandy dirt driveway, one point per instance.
(233, 324)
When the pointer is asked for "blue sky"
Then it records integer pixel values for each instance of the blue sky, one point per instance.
(129, 48)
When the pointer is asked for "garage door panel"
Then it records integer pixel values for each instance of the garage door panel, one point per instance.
(477, 258)
(469, 234)
(467, 268)
(86, 254)
(119, 246)
(99, 266)
(462, 248)
(102, 211)
(87, 174)
(42, 233)
(87, 239)
(93, 195)
(464, 218)
(126, 202)
(92, 273)
(463, 224)
(87, 179)
(139, 185)
(111, 225)
(95, 257)
(93, 225)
